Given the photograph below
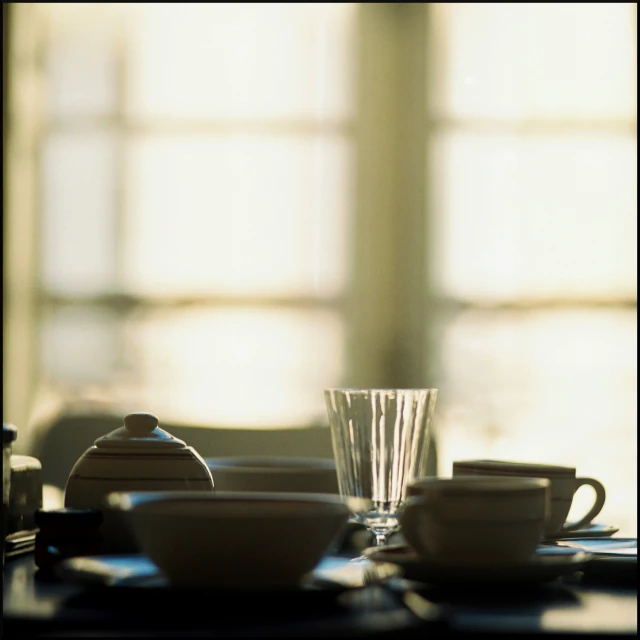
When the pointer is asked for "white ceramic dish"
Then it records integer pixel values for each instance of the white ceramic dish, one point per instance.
(627, 547)
(548, 564)
(233, 539)
(588, 531)
(274, 474)
(136, 571)
(139, 456)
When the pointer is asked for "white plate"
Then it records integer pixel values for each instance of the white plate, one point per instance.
(548, 564)
(137, 571)
(588, 531)
(627, 547)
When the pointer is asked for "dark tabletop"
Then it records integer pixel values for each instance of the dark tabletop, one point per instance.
(49, 608)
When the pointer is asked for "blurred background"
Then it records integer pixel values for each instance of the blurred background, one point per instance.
(214, 211)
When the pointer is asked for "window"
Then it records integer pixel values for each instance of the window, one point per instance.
(196, 163)
(237, 206)
(533, 154)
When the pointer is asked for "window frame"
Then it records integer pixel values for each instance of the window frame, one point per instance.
(386, 328)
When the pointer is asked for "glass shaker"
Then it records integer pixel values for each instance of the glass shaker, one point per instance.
(9, 434)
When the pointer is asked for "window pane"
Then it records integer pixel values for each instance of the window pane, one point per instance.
(78, 213)
(556, 387)
(238, 215)
(535, 60)
(526, 217)
(81, 76)
(236, 367)
(79, 347)
(221, 60)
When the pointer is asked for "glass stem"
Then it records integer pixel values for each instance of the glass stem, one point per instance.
(381, 538)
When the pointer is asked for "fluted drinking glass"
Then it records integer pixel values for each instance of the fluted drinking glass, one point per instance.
(381, 440)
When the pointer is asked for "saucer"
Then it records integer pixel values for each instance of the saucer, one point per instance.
(133, 586)
(549, 563)
(136, 571)
(588, 531)
(626, 547)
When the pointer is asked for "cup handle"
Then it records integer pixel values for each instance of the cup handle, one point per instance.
(597, 505)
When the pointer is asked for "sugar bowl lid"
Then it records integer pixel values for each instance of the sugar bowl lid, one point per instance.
(140, 431)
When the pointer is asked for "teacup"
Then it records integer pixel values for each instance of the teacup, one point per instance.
(475, 520)
(563, 481)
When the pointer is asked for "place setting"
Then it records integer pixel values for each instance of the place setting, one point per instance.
(268, 537)
(491, 523)
(270, 552)
(503, 523)
(227, 540)
(272, 536)
(254, 540)
(466, 531)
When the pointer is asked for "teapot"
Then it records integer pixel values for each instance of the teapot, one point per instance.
(139, 456)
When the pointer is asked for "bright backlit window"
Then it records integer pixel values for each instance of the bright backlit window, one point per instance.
(534, 209)
(239, 205)
(197, 160)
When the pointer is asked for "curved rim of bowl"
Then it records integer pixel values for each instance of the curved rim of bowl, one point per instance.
(268, 464)
(145, 500)
(517, 468)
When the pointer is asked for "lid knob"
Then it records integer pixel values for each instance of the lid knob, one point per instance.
(140, 424)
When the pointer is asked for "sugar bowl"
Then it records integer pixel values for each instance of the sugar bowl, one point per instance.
(139, 456)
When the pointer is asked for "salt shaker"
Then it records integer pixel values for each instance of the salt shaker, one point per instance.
(9, 434)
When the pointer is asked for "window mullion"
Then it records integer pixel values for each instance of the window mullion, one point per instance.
(415, 365)
(386, 312)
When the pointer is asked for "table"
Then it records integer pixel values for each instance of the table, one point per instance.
(57, 609)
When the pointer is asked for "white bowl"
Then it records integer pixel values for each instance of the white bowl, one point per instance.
(233, 539)
(274, 474)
